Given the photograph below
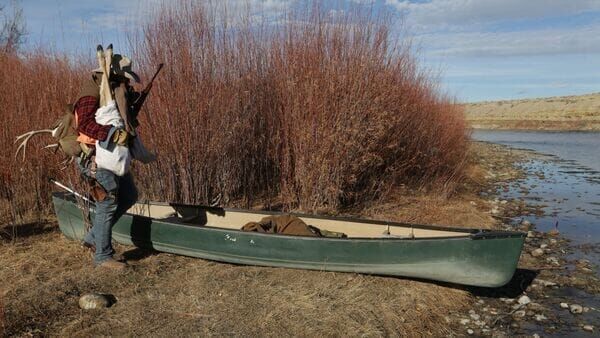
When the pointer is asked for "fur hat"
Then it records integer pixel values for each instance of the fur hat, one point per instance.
(121, 66)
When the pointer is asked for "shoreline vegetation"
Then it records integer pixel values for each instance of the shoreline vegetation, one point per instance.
(323, 114)
(560, 113)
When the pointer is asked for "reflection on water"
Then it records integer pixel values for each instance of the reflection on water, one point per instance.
(578, 148)
(566, 182)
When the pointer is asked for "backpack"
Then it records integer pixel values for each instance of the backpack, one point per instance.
(65, 132)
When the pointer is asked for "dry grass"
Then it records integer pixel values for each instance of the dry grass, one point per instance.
(552, 113)
(168, 295)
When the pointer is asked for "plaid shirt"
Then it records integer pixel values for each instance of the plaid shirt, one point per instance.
(85, 108)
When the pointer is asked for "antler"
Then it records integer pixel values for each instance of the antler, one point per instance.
(26, 137)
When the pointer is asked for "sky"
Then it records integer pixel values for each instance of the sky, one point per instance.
(483, 49)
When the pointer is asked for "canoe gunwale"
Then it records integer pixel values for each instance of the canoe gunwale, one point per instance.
(470, 233)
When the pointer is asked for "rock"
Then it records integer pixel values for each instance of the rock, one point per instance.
(535, 335)
(470, 332)
(588, 328)
(543, 246)
(503, 202)
(475, 316)
(525, 223)
(519, 314)
(465, 321)
(530, 234)
(546, 283)
(537, 252)
(575, 309)
(479, 323)
(553, 261)
(473, 203)
(507, 300)
(564, 305)
(553, 241)
(540, 318)
(495, 211)
(524, 300)
(586, 309)
(94, 301)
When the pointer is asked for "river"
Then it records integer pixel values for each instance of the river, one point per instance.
(564, 180)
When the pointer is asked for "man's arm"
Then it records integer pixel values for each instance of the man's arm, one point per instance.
(85, 108)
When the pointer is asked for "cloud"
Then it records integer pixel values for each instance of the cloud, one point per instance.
(548, 41)
(437, 13)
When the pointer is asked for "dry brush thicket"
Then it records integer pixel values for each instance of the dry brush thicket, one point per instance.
(315, 112)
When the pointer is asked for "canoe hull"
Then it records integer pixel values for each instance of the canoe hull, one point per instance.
(468, 260)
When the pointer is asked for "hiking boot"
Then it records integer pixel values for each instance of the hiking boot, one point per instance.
(112, 264)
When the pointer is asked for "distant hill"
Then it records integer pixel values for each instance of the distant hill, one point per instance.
(552, 113)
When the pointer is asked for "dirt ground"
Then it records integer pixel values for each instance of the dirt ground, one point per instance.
(43, 275)
(552, 113)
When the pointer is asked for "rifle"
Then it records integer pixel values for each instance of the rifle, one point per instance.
(137, 105)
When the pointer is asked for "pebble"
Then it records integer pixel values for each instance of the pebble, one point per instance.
(546, 283)
(530, 234)
(475, 316)
(553, 241)
(470, 332)
(537, 252)
(524, 300)
(519, 313)
(575, 309)
(465, 321)
(535, 335)
(564, 305)
(553, 260)
(93, 301)
(543, 246)
(540, 318)
(495, 211)
(503, 202)
(526, 223)
(588, 328)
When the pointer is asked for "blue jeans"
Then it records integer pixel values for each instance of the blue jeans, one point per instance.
(121, 195)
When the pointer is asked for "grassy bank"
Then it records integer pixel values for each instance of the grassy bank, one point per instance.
(165, 294)
(552, 113)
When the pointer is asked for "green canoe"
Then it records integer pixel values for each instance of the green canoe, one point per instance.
(457, 255)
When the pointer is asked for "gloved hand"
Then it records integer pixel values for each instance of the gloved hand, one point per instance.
(121, 137)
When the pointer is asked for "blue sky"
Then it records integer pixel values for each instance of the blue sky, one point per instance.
(485, 49)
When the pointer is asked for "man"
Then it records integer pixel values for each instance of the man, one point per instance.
(114, 195)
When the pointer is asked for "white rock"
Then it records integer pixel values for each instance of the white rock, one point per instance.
(525, 222)
(540, 318)
(535, 335)
(537, 252)
(543, 246)
(503, 202)
(495, 211)
(470, 332)
(588, 328)
(553, 241)
(546, 283)
(524, 300)
(465, 321)
(530, 234)
(575, 308)
(564, 305)
(475, 316)
(93, 301)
